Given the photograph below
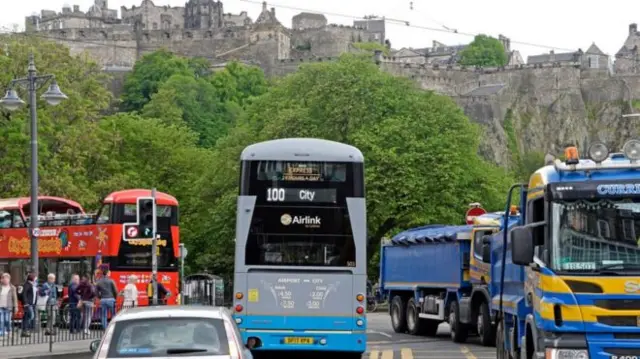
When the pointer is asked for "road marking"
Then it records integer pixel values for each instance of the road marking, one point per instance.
(387, 354)
(380, 333)
(467, 353)
(373, 354)
(406, 353)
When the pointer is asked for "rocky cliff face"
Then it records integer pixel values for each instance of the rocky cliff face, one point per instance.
(537, 110)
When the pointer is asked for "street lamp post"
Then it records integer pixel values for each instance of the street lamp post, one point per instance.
(33, 82)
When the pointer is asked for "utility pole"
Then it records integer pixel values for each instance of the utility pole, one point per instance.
(183, 255)
(33, 82)
(154, 248)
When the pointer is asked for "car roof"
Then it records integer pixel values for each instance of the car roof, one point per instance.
(163, 311)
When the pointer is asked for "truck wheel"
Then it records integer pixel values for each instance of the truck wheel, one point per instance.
(459, 330)
(413, 320)
(398, 318)
(501, 353)
(485, 329)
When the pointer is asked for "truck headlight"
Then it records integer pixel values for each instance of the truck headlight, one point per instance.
(554, 353)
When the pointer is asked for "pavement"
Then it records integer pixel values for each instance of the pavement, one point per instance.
(78, 349)
(382, 343)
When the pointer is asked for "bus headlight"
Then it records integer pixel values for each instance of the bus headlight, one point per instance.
(359, 322)
(554, 353)
(631, 149)
(238, 320)
(598, 152)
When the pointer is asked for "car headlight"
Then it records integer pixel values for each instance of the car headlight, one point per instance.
(554, 353)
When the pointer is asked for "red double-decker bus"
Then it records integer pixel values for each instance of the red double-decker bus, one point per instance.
(73, 242)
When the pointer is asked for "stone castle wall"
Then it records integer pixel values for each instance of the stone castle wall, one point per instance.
(121, 46)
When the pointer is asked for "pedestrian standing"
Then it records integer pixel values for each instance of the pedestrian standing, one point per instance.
(87, 294)
(29, 297)
(75, 322)
(163, 292)
(50, 291)
(107, 293)
(8, 303)
(130, 293)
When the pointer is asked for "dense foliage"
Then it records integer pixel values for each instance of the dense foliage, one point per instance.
(181, 129)
(484, 51)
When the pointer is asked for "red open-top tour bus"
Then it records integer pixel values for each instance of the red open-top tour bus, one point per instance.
(73, 242)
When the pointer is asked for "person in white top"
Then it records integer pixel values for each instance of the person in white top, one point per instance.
(8, 303)
(130, 293)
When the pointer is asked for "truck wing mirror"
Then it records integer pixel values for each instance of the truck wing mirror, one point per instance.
(486, 249)
(522, 246)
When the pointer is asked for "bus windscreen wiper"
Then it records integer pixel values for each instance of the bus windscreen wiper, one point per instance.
(608, 269)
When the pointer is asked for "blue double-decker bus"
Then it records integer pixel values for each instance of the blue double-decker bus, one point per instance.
(300, 256)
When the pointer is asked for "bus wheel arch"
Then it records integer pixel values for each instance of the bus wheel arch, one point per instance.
(398, 312)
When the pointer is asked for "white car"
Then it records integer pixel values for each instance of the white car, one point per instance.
(172, 331)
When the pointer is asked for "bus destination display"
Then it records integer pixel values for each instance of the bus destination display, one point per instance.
(318, 195)
(301, 172)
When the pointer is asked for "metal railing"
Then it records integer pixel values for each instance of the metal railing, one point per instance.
(52, 324)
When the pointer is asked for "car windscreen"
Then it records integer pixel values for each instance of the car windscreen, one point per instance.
(163, 337)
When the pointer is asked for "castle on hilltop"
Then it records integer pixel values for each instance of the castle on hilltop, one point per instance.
(200, 28)
(585, 91)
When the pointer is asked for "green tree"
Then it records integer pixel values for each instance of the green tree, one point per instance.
(140, 152)
(208, 105)
(66, 132)
(239, 83)
(420, 149)
(195, 102)
(151, 71)
(484, 51)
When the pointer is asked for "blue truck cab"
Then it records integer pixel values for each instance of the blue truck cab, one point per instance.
(475, 313)
(565, 279)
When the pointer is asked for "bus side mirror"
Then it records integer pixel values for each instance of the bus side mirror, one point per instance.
(522, 246)
(486, 249)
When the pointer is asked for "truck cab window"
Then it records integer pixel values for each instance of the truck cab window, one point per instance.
(477, 242)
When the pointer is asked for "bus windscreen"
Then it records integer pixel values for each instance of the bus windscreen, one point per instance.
(300, 217)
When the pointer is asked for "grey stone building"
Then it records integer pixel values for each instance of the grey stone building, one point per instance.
(593, 58)
(442, 54)
(627, 58)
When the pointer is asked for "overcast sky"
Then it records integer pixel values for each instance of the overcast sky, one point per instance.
(559, 24)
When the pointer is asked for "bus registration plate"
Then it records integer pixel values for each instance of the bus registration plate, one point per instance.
(298, 340)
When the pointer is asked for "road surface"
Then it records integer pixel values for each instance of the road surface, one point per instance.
(383, 343)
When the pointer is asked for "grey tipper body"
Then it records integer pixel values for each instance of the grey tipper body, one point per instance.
(312, 291)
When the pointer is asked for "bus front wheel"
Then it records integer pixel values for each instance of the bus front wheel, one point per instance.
(398, 315)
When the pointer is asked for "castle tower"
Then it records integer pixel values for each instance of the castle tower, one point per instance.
(102, 4)
(203, 14)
